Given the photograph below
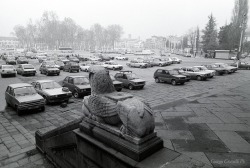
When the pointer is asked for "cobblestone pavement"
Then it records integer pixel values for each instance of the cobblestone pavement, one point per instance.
(206, 120)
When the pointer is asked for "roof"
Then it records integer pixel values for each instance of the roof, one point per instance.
(44, 81)
(17, 85)
(77, 76)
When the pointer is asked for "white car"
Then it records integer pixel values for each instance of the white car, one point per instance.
(121, 58)
(112, 65)
(6, 70)
(203, 68)
(84, 67)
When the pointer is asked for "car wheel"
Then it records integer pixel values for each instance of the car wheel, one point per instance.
(41, 72)
(76, 94)
(131, 87)
(2, 75)
(118, 90)
(140, 66)
(43, 108)
(226, 72)
(70, 70)
(157, 80)
(113, 68)
(141, 87)
(58, 74)
(173, 82)
(199, 78)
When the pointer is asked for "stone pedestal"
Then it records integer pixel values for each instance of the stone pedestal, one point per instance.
(94, 153)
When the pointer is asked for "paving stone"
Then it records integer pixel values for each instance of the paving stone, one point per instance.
(233, 141)
(14, 159)
(175, 123)
(177, 114)
(244, 135)
(227, 117)
(229, 127)
(175, 134)
(202, 120)
(198, 156)
(23, 161)
(168, 144)
(35, 157)
(241, 115)
(12, 165)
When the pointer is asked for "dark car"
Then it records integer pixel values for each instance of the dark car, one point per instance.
(51, 91)
(22, 60)
(11, 60)
(26, 69)
(129, 80)
(78, 85)
(169, 76)
(71, 66)
(49, 70)
(228, 69)
(60, 64)
(22, 97)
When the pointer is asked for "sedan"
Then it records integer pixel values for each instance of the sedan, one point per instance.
(26, 69)
(49, 70)
(78, 85)
(11, 60)
(22, 97)
(22, 60)
(51, 91)
(7, 70)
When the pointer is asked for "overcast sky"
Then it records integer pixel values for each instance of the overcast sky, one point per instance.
(142, 18)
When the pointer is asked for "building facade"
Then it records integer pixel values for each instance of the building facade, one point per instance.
(8, 42)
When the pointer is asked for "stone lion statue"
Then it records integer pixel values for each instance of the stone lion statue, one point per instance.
(133, 116)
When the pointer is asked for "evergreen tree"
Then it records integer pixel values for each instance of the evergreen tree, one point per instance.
(209, 38)
(224, 37)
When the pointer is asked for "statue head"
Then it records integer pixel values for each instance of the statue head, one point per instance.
(100, 80)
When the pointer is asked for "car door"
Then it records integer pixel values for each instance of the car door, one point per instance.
(159, 74)
(7, 95)
(166, 76)
(70, 84)
(120, 78)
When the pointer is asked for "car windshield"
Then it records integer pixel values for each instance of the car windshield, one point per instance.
(173, 72)
(28, 67)
(81, 81)
(7, 67)
(113, 63)
(50, 85)
(22, 58)
(22, 91)
(195, 69)
(132, 76)
(11, 58)
(59, 63)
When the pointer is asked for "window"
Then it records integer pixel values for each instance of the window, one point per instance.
(71, 81)
(118, 75)
(38, 86)
(66, 79)
(159, 71)
(8, 89)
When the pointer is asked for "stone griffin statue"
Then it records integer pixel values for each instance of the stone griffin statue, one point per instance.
(133, 116)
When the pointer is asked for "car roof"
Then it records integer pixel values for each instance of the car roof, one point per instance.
(76, 76)
(44, 81)
(17, 85)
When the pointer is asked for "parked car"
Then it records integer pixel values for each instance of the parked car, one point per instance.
(229, 69)
(243, 65)
(63, 59)
(22, 97)
(112, 65)
(176, 60)
(195, 73)
(59, 65)
(129, 80)
(93, 58)
(158, 62)
(22, 60)
(48, 69)
(11, 60)
(105, 57)
(26, 69)
(51, 91)
(71, 66)
(121, 58)
(78, 85)
(181, 72)
(73, 59)
(203, 68)
(84, 67)
(167, 61)
(137, 64)
(41, 58)
(117, 84)
(169, 76)
(7, 70)
(218, 70)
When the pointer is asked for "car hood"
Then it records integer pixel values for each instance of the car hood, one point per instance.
(29, 98)
(83, 86)
(56, 91)
(137, 80)
(179, 76)
(29, 69)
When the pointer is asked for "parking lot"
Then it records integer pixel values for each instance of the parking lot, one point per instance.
(17, 132)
